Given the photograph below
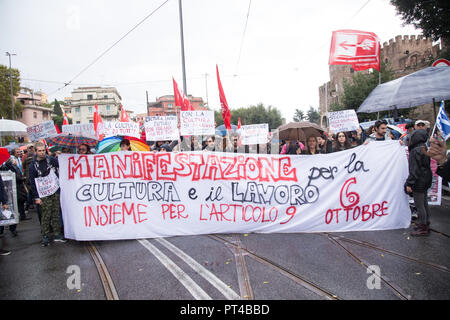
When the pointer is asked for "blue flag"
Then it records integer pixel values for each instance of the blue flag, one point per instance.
(442, 122)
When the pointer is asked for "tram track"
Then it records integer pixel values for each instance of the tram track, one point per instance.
(105, 277)
(309, 285)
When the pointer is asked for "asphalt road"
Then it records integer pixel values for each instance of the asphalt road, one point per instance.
(234, 266)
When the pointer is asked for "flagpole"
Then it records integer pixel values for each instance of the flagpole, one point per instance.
(182, 48)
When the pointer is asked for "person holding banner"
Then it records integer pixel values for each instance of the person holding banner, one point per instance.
(380, 132)
(84, 149)
(125, 145)
(210, 143)
(312, 146)
(419, 180)
(341, 143)
(45, 169)
(4, 206)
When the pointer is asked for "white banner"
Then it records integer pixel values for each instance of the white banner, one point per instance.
(48, 185)
(255, 134)
(342, 121)
(80, 129)
(197, 123)
(11, 216)
(41, 131)
(160, 128)
(137, 195)
(114, 128)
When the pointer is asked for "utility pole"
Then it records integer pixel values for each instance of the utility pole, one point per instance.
(206, 85)
(11, 85)
(182, 49)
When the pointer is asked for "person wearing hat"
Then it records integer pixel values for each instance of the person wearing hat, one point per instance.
(420, 124)
(165, 148)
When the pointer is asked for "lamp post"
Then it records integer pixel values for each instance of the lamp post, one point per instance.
(182, 48)
(11, 85)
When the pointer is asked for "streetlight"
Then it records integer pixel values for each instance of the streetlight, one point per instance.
(182, 48)
(10, 83)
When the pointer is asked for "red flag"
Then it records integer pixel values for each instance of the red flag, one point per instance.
(57, 129)
(123, 115)
(226, 114)
(187, 106)
(360, 49)
(98, 124)
(239, 123)
(178, 99)
(65, 121)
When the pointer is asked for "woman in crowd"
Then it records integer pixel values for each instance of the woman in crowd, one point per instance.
(324, 145)
(84, 149)
(125, 145)
(157, 145)
(341, 143)
(312, 146)
(165, 148)
(210, 143)
(356, 138)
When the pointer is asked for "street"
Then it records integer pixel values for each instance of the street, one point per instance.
(307, 266)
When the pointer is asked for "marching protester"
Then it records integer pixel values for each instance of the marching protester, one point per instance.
(409, 130)
(379, 132)
(210, 143)
(312, 146)
(324, 144)
(4, 205)
(165, 148)
(42, 166)
(84, 149)
(341, 143)
(125, 145)
(26, 164)
(419, 180)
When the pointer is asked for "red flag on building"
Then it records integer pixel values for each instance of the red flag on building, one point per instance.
(57, 129)
(65, 121)
(124, 115)
(226, 114)
(360, 49)
(98, 124)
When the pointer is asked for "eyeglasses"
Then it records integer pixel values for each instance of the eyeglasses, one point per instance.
(208, 141)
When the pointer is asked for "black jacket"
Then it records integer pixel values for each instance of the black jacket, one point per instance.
(3, 194)
(20, 180)
(444, 171)
(41, 169)
(420, 175)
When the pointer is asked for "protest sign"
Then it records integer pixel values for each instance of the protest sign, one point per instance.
(112, 128)
(80, 129)
(342, 121)
(143, 195)
(11, 215)
(255, 133)
(160, 128)
(41, 131)
(48, 185)
(197, 123)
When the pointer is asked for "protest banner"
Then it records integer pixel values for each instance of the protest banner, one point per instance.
(137, 195)
(342, 121)
(197, 123)
(160, 128)
(254, 133)
(114, 128)
(48, 185)
(11, 215)
(80, 129)
(41, 131)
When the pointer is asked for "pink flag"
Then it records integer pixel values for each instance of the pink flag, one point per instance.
(226, 114)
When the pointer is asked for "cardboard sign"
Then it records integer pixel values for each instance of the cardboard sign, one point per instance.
(80, 129)
(41, 131)
(197, 123)
(11, 215)
(114, 128)
(48, 185)
(255, 134)
(342, 121)
(137, 195)
(161, 128)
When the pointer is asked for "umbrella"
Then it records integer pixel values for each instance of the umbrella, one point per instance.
(412, 90)
(112, 144)
(222, 130)
(12, 128)
(396, 128)
(299, 130)
(64, 140)
(12, 146)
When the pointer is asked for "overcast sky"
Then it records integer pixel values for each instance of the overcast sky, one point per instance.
(283, 61)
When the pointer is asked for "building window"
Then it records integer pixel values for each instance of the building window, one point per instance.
(78, 122)
(35, 115)
(77, 110)
(90, 96)
(91, 121)
(90, 109)
(105, 96)
(108, 108)
(170, 105)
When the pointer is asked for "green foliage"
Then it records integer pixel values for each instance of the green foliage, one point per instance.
(253, 115)
(433, 17)
(57, 108)
(5, 92)
(313, 115)
(59, 121)
(299, 115)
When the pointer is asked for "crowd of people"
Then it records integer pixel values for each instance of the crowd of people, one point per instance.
(36, 161)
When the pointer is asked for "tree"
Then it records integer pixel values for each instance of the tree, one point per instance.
(433, 17)
(299, 115)
(57, 108)
(5, 92)
(313, 115)
(253, 115)
(361, 85)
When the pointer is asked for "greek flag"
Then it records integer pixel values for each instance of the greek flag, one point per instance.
(442, 122)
